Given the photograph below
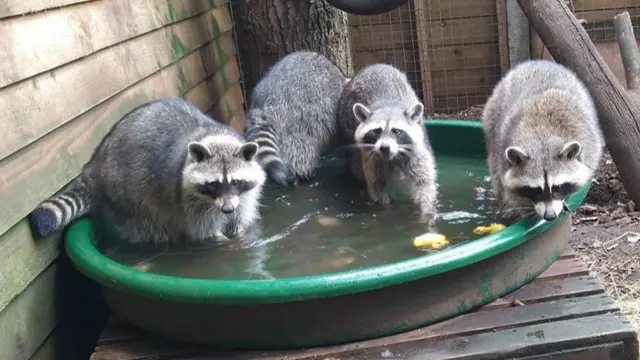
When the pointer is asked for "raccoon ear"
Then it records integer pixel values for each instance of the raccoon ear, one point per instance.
(247, 150)
(570, 150)
(361, 112)
(415, 112)
(516, 155)
(199, 151)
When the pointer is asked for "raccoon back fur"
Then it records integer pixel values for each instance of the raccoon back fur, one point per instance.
(381, 117)
(291, 115)
(164, 172)
(543, 138)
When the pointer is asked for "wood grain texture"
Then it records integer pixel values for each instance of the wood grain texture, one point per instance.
(22, 258)
(24, 7)
(53, 98)
(29, 319)
(466, 81)
(422, 35)
(455, 9)
(211, 90)
(39, 170)
(503, 41)
(237, 121)
(230, 103)
(460, 57)
(36, 43)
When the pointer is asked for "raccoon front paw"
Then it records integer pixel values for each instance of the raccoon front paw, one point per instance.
(384, 199)
(429, 218)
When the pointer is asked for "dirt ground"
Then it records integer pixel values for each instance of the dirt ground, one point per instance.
(606, 232)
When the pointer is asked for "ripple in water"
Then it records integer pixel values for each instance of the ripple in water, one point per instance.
(328, 226)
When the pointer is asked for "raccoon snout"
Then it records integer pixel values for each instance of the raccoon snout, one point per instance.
(227, 204)
(549, 215)
(387, 148)
(549, 210)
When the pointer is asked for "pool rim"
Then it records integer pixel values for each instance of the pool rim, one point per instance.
(79, 243)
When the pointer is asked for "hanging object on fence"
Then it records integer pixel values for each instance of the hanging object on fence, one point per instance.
(367, 7)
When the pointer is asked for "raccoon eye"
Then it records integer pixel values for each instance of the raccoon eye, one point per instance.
(377, 131)
(529, 192)
(234, 182)
(396, 131)
(243, 186)
(563, 190)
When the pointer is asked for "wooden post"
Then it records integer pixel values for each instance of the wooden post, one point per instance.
(503, 38)
(423, 45)
(518, 34)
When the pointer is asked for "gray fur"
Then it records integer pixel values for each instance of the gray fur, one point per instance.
(380, 96)
(144, 178)
(536, 109)
(291, 114)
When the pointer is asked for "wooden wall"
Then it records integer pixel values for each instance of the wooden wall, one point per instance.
(452, 50)
(69, 69)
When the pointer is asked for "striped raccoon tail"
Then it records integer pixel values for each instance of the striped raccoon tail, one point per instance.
(53, 214)
(268, 153)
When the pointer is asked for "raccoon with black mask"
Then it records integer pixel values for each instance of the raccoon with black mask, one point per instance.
(380, 119)
(543, 139)
(164, 172)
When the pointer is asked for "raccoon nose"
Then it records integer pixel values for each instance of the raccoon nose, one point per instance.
(549, 215)
(227, 207)
(385, 149)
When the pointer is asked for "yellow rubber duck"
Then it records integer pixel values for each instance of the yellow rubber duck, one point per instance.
(431, 240)
(491, 229)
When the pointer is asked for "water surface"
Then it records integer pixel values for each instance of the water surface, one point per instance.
(328, 226)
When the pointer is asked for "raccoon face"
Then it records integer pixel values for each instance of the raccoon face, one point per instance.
(388, 131)
(545, 180)
(221, 169)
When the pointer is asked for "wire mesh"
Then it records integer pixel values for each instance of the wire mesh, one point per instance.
(598, 16)
(450, 49)
(455, 51)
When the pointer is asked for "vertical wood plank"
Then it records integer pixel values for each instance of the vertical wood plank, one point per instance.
(423, 44)
(503, 40)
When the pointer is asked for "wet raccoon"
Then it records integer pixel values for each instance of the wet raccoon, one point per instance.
(381, 119)
(164, 172)
(543, 138)
(291, 115)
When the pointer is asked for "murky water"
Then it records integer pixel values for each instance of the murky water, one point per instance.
(329, 226)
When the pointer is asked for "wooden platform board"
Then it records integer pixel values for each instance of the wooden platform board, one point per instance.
(563, 314)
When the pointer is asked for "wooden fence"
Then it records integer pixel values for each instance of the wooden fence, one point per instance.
(454, 51)
(69, 69)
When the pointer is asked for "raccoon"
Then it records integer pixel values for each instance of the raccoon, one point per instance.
(543, 138)
(381, 119)
(291, 115)
(164, 172)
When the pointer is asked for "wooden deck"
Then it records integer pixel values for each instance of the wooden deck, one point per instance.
(562, 315)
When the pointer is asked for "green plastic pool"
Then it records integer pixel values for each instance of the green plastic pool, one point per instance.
(336, 307)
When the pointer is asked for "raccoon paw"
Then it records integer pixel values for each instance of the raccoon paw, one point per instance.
(429, 219)
(43, 221)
